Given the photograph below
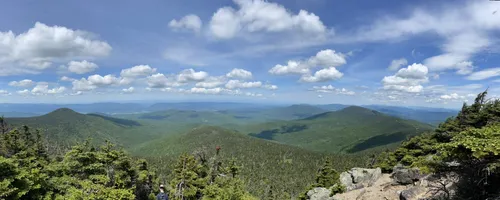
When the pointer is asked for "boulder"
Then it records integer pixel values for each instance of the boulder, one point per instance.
(411, 193)
(405, 176)
(357, 178)
(320, 193)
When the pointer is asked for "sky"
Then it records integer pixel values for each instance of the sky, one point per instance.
(406, 53)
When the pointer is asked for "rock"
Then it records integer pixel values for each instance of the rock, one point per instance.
(320, 193)
(357, 178)
(411, 193)
(405, 176)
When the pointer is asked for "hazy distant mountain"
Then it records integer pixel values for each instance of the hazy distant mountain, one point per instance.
(351, 129)
(432, 116)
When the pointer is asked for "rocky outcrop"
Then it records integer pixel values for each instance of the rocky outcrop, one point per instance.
(319, 193)
(405, 176)
(357, 178)
(402, 184)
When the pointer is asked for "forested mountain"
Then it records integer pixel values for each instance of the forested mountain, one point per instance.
(351, 129)
(265, 165)
(65, 127)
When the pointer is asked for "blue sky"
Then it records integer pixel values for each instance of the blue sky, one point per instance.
(418, 53)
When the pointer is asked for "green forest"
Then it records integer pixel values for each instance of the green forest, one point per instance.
(211, 162)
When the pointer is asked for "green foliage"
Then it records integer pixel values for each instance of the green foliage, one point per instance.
(206, 179)
(85, 172)
(265, 166)
(326, 177)
(466, 146)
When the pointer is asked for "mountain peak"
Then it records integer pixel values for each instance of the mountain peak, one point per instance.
(63, 111)
(357, 109)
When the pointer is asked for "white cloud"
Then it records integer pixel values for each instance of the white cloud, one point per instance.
(465, 28)
(325, 58)
(159, 80)
(191, 75)
(396, 64)
(270, 87)
(331, 89)
(128, 90)
(96, 81)
(322, 75)
(23, 92)
(211, 82)
(139, 70)
(452, 96)
(42, 88)
(197, 90)
(188, 22)
(4, 92)
(99, 80)
(22, 83)
(232, 84)
(76, 93)
(81, 67)
(57, 90)
(484, 74)
(254, 16)
(65, 78)
(36, 49)
(239, 73)
(407, 79)
(251, 94)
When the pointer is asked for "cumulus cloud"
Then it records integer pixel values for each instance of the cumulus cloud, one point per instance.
(22, 83)
(211, 82)
(324, 58)
(188, 22)
(197, 90)
(253, 16)
(484, 74)
(65, 78)
(96, 81)
(232, 84)
(396, 64)
(42, 88)
(328, 59)
(4, 93)
(452, 96)
(36, 49)
(159, 80)
(270, 87)
(81, 67)
(407, 79)
(331, 89)
(139, 70)
(191, 75)
(128, 90)
(23, 92)
(239, 73)
(322, 75)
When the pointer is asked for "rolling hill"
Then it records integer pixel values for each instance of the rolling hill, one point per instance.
(352, 129)
(264, 163)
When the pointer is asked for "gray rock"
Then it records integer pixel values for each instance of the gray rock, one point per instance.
(357, 178)
(319, 193)
(405, 176)
(411, 193)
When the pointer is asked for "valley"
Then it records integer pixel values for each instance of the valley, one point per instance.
(292, 139)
